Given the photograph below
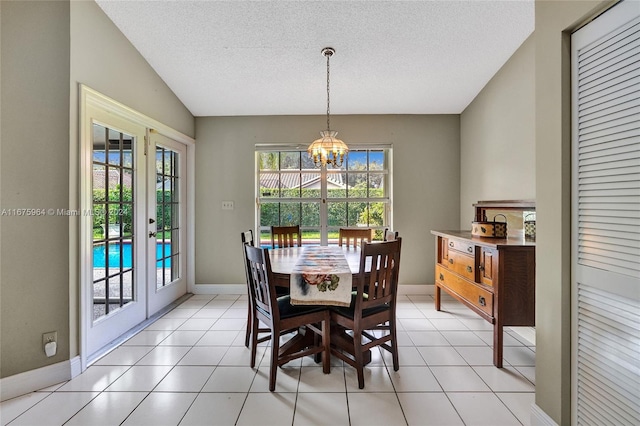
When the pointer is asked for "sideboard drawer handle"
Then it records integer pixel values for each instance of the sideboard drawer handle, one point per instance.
(451, 261)
(441, 277)
(481, 267)
(481, 301)
(450, 243)
(469, 269)
(470, 249)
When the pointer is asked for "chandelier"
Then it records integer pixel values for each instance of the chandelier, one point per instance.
(328, 149)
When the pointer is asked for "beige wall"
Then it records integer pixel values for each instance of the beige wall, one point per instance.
(554, 22)
(426, 186)
(103, 59)
(497, 137)
(74, 43)
(35, 174)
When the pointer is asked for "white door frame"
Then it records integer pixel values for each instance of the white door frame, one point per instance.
(89, 99)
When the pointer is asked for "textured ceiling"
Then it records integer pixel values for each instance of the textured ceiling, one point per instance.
(226, 58)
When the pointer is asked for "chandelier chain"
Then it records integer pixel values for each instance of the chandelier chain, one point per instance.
(328, 103)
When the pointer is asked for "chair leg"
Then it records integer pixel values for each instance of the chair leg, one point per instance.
(275, 349)
(326, 343)
(247, 335)
(394, 345)
(254, 339)
(359, 358)
(316, 342)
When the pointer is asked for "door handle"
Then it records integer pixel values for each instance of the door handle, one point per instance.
(152, 234)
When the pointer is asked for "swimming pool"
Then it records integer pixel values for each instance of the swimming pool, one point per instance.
(100, 258)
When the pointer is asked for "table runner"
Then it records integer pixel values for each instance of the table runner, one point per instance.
(321, 276)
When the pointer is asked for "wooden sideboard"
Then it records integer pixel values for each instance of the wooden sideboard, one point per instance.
(493, 277)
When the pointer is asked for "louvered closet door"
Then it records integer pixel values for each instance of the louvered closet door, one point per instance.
(606, 219)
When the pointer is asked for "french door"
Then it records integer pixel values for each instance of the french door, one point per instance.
(132, 222)
(115, 294)
(167, 213)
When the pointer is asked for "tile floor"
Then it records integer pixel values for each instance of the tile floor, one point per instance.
(190, 367)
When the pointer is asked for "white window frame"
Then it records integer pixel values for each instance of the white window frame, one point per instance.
(324, 198)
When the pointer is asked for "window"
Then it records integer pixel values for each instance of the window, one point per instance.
(292, 190)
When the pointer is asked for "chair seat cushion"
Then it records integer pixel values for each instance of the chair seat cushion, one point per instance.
(288, 310)
(348, 311)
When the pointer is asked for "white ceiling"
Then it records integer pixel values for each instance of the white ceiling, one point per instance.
(226, 58)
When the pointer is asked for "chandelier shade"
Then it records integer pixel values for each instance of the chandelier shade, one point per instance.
(328, 149)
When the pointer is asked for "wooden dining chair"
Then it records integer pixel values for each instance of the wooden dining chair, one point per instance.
(373, 307)
(286, 236)
(281, 316)
(390, 235)
(247, 238)
(355, 236)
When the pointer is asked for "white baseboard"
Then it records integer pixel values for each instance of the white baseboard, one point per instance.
(219, 289)
(540, 418)
(527, 333)
(40, 378)
(416, 289)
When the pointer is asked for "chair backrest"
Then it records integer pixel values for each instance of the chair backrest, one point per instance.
(381, 284)
(390, 235)
(286, 236)
(355, 236)
(247, 238)
(259, 275)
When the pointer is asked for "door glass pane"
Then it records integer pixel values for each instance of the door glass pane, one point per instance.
(113, 238)
(167, 216)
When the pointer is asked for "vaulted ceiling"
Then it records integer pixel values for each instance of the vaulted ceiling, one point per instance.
(225, 58)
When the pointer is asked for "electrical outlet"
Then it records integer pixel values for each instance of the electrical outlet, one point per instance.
(49, 337)
(227, 205)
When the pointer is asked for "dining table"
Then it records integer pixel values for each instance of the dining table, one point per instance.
(283, 261)
(286, 262)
